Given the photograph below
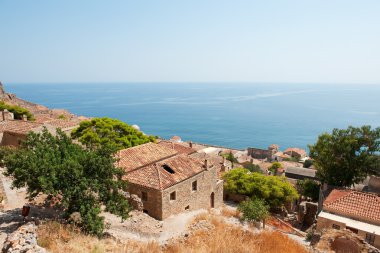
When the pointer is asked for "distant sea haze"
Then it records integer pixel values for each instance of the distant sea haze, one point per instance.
(236, 115)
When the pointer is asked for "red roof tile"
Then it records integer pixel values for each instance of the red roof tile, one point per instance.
(142, 155)
(181, 149)
(155, 176)
(359, 204)
(18, 126)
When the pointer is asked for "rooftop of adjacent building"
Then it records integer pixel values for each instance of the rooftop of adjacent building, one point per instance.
(350, 202)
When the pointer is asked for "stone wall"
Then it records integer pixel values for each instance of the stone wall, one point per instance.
(258, 153)
(340, 241)
(154, 200)
(24, 239)
(208, 187)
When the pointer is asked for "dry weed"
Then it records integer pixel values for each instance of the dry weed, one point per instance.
(223, 238)
(229, 212)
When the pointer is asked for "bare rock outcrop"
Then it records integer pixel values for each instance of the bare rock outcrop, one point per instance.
(23, 240)
(340, 241)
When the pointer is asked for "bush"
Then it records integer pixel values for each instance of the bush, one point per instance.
(109, 133)
(274, 167)
(309, 188)
(16, 110)
(252, 167)
(308, 163)
(254, 210)
(276, 191)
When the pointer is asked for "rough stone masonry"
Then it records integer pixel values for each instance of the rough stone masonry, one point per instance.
(23, 240)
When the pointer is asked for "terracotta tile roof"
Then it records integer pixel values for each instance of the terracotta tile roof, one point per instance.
(299, 151)
(42, 118)
(63, 123)
(181, 149)
(157, 177)
(18, 126)
(355, 203)
(142, 155)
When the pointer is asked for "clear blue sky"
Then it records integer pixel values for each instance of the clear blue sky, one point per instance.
(334, 41)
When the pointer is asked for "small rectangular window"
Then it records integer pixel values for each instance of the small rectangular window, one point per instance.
(144, 196)
(334, 226)
(173, 196)
(194, 186)
(187, 208)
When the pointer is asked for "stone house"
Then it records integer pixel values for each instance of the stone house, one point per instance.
(169, 182)
(353, 210)
(258, 153)
(13, 132)
(298, 153)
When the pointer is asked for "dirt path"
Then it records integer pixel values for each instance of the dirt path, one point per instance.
(144, 228)
(10, 218)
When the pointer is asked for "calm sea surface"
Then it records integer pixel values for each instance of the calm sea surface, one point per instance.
(228, 114)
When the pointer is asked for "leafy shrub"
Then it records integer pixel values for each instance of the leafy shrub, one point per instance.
(109, 133)
(16, 110)
(276, 191)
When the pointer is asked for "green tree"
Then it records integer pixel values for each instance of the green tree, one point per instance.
(252, 167)
(17, 111)
(346, 157)
(81, 179)
(274, 168)
(309, 188)
(110, 133)
(254, 210)
(276, 191)
(230, 157)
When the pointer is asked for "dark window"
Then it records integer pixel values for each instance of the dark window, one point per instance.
(173, 196)
(370, 238)
(144, 196)
(194, 186)
(145, 211)
(187, 208)
(168, 169)
(353, 229)
(334, 226)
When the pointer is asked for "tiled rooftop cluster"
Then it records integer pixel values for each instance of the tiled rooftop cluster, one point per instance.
(362, 204)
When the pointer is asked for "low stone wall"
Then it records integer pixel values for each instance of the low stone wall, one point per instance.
(23, 240)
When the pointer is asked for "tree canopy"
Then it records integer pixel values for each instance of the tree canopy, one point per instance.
(81, 179)
(275, 191)
(110, 133)
(347, 156)
(309, 188)
(274, 168)
(17, 111)
(254, 210)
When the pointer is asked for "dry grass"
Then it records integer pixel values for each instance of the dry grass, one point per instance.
(58, 238)
(223, 238)
(229, 212)
(229, 239)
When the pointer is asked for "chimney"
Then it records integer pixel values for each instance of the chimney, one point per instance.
(191, 144)
(6, 115)
(24, 117)
(3, 118)
(206, 164)
(224, 160)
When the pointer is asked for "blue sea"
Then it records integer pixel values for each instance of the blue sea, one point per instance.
(237, 115)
